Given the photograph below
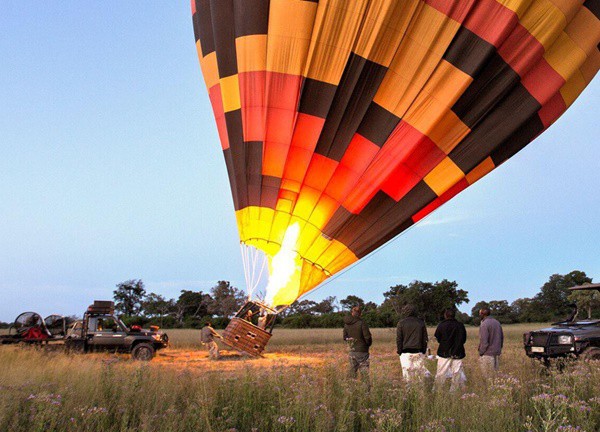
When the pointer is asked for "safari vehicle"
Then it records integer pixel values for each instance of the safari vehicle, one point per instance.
(101, 330)
(569, 338)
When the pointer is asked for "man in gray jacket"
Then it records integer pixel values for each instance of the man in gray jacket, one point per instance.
(491, 340)
(358, 337)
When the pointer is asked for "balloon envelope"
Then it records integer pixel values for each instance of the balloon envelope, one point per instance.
(354, 119)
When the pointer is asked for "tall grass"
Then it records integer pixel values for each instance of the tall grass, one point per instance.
(44, 390)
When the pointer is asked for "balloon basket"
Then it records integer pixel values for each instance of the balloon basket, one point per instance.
(246, 337)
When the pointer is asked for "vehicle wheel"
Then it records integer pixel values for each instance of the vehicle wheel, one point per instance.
(143, 352)
(591, 353)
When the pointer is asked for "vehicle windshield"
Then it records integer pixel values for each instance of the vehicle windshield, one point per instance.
(105, 324)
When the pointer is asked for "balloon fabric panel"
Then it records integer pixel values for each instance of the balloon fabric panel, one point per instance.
(357, 119)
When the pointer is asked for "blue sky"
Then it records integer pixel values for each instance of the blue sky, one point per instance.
(111, 169)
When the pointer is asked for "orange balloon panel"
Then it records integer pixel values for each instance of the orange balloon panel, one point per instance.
(355, 119)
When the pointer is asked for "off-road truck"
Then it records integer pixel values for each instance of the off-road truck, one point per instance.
(569, 338)
(102, 330)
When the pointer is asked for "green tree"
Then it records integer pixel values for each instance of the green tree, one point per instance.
(526, 310)
(303, 307)
(195, 304)
(325, 306)
(387, 314)
(587, 300)
(227, 299)
(129, 297)
(553, 297)
(351, 301)
(429, 298)
(369, 306)
(155, 305)
(500, 309)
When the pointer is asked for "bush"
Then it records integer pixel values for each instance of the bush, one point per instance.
(192, 322)
(330, 320)
(166, 322)
(376, 318)
(297, 321)
(217, 322)
(135, 320)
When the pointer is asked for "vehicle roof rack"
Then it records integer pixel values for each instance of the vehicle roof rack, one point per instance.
(101, 307)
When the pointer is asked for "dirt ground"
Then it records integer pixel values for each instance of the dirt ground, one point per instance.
(232, 360)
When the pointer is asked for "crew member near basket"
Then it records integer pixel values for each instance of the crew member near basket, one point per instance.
(358, 337)
(207, 337)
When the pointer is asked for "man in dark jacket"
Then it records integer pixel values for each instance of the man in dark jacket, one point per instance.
(452, 336)
(358, 336)
(411, 341)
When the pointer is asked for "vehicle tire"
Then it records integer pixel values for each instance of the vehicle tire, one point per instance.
(143, 352)
(591, 353)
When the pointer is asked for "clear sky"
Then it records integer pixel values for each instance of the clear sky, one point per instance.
(111, 169)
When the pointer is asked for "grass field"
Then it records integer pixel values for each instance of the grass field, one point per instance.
(300, 385)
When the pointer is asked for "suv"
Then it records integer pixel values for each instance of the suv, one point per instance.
(572, 337)
(101, 330)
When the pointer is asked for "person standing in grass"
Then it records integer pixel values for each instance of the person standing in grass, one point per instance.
(411, 341)
(358, 336)
(451, 336)
(491, 341)
(207, 337)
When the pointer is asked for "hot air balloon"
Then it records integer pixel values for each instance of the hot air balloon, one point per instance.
(344, 122)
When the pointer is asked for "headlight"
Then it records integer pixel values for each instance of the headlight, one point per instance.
(158, 338)
(565, 340)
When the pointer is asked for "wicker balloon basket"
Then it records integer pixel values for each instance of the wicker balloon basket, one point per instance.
(246, 337)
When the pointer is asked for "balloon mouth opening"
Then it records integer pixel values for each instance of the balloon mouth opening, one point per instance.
(285, 270)
(274, 280)
(276, 273)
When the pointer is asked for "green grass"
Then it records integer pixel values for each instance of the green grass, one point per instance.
(44, 390)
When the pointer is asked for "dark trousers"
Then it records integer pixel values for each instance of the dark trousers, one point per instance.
(359, 361)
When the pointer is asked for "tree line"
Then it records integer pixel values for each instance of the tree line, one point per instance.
(193, 308)
(190, 310)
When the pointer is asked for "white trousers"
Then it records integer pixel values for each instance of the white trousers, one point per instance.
(413, 366)
(449, 368)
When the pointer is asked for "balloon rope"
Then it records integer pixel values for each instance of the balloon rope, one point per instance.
(254, 255)
(262, 269)
(244, 251)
